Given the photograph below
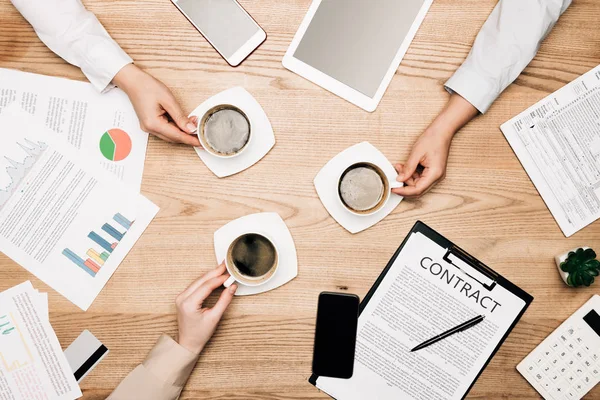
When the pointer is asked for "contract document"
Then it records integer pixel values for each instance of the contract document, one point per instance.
(104, 125)
(420, 296)
(558, 143)
(32, 363)
(63, 218)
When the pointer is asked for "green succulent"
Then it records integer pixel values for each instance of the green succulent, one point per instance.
(582, 267)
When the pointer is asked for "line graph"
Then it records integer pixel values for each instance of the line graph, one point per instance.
(14, 352)
(17, 170)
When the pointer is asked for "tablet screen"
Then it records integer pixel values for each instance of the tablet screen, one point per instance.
(355, 41)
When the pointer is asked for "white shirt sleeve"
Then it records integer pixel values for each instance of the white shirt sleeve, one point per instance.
(506, 44)
(76, 35)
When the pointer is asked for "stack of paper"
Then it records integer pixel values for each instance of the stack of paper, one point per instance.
(62, 216)
(32, 363)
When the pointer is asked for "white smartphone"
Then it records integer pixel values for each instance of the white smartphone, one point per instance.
(226, 26)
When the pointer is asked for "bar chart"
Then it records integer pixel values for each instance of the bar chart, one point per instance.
(95, 257)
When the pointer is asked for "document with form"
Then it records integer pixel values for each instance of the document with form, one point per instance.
(558, 143)
(425, 290)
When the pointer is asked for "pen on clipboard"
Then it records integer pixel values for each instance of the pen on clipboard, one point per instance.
(464, 326)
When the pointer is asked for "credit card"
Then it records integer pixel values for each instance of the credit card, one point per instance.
(84, 354)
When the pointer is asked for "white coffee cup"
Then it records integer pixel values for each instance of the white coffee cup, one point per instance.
(385, 196)
(236, 275)
(200, 132)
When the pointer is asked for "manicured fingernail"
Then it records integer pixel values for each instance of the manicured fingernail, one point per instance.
(233, 288)
(191, 127)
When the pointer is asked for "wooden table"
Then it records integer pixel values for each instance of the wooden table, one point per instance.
(263, 348)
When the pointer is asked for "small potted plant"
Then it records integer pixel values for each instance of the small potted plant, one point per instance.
(578, 267)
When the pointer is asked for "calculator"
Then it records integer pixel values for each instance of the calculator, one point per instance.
(566, 365)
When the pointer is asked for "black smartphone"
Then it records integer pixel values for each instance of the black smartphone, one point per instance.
(335, 335)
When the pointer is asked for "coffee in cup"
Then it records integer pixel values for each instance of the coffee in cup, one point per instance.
(364, 188)
(252, 259)
(224, 131)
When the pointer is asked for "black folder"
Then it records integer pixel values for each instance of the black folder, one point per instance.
(453, 251)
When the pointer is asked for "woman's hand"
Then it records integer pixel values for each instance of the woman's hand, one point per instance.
(196, 323)
(158, 111)
(426, 164)
(430, 152)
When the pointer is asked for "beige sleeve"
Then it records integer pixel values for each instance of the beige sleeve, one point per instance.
(161, 376)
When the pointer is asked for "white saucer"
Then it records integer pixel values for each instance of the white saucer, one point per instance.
(327, 186)
(262, 139)
(273, 226)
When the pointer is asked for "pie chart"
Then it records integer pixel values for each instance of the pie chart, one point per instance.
(115, 144)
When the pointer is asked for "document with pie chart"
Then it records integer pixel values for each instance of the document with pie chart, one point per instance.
(63, 217)
(104, 125)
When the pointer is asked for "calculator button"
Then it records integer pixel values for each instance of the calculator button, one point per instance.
(571, 362)
(531, 368)
(570, 331)
(571, 394)
(560, 389)
(562, 354)
(578, 339)
(545, 367)
(554, 378)
(579, 387)
(538, 360)
(538, 376)
(563, 338)
(595, 371)
(545, 383)
(571, 345)
(563, 369)
(554, 361)
(555, 346)
(579, 371)
(586, 380)
(595, 356)
(579, 355)
(587, 363)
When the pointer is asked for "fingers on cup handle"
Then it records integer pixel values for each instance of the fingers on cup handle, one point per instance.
(230, 281)
(396, 184)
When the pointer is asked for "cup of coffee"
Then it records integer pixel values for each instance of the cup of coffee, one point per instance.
(252, 259)
(224, 131)
(364, 189)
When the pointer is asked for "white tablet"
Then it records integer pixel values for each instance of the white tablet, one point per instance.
(353, 47)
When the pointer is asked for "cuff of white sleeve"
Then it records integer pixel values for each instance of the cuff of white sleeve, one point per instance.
(472, 87)
(104, 60)
(170, 361)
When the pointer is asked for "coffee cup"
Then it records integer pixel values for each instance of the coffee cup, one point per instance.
(252, 259)
(364, 189)
(224, 131)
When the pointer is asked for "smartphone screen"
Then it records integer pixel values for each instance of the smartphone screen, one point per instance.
(224, 23)
(335, 337)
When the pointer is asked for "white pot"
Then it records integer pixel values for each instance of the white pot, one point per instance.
(562, 257)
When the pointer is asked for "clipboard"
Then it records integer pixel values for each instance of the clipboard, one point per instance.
(470, 266)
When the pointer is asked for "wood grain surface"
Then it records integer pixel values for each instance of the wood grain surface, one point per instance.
(263, 348)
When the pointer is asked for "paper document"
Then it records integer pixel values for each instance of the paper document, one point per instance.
(105, 125)
(420, 297)
(32, 363)
(63, 218)
(558, 142)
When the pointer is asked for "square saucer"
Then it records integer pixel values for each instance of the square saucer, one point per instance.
(262, 137)
(326, 184)
(272, 225)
